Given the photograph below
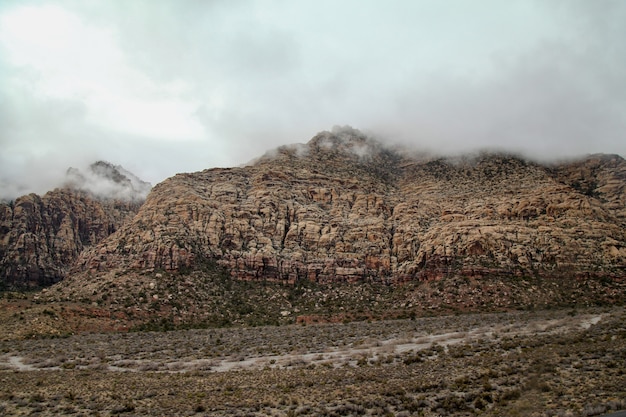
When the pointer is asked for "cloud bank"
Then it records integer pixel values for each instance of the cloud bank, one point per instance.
(162, 87)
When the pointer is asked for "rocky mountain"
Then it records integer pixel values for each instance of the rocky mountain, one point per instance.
(343, 208)
(41, 236)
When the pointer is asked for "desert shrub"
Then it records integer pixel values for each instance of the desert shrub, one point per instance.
(510, 395)
(453, 403)
(126, 408)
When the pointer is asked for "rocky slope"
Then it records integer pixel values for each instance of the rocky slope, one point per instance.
(343, 208)
(600, 176)
(40, 236)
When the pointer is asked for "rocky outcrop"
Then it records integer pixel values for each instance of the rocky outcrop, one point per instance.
(343, 208)
(41, 236)
(599, 176)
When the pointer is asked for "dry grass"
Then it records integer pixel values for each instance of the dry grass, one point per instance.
(551, 363)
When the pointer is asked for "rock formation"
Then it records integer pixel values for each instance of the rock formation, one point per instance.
(41, 236)
(343, 208)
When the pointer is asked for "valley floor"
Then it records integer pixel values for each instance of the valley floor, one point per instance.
(547, 363)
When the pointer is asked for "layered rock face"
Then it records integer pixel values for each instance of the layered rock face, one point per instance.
(41, 236)
(343, 208)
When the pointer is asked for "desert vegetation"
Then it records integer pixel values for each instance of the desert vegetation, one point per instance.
(565, 362)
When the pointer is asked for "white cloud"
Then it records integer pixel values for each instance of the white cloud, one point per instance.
(70, 59)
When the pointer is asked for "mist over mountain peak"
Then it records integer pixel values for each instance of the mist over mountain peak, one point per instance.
(105, 180)
(347, 140)
(341, 141)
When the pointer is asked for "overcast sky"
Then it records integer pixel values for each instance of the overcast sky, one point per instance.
(162, 87)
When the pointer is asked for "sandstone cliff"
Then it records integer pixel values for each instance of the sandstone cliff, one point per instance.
(41, 236)
(343, 208)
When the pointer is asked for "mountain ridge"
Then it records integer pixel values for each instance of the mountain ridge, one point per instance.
(343, 228)
(328, 212)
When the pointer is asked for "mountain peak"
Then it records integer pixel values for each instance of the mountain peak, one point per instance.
(105, 180)
(346, 140)
(341, 144)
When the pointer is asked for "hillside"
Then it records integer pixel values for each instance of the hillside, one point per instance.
(475, 231)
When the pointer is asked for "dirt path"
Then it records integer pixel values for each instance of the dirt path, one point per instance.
(378, 349)
(369, 348)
